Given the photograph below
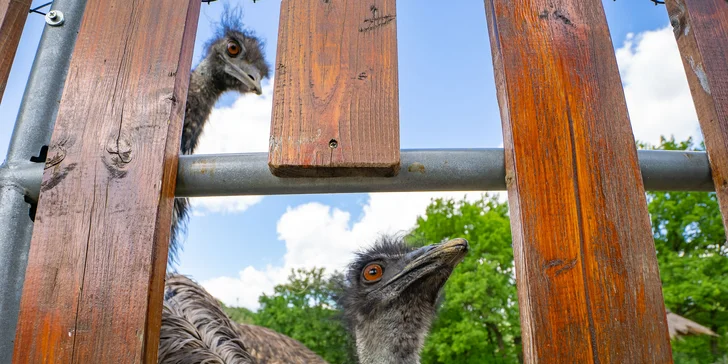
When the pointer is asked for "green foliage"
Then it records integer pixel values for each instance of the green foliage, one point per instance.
(304, 308)
(693, 257)
(239, 314)
(478, 321)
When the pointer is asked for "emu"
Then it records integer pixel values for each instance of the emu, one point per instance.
(233, 61)
(389, 301)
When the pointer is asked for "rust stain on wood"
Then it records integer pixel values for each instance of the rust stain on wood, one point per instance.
(95, 277)
(704, 51)
(13, 14)
(336, 79)
(588, 281)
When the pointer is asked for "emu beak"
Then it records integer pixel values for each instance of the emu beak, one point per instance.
(450, 253)
(446, 255)
(246, 74)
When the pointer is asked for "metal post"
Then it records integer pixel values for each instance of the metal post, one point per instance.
(33, 129)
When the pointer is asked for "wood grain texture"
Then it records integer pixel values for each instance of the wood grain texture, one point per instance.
(588, 282)
(95, 275)
(336, 80)
(12, 20)
(701, 30)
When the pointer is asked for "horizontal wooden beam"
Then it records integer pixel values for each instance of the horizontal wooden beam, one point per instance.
(335, 102)
(588, 282)
(701, 30)
(94, 283)
(13, 14)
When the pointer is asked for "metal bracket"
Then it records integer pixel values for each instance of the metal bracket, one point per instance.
(35, 9)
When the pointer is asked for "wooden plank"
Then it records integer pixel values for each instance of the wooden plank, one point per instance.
(12, 20)
(95, 277)
(701, 30)
(587, 275)
(335, 102)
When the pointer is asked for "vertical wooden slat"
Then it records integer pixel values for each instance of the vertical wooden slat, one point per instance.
(95, 275)
(701, 30)
(12, 19)
(336, 106)
(588, 282)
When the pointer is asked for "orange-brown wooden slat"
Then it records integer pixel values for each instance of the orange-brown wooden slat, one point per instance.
(12, 19)
(588, 281)
(701, 30)
(335, 102)
(95, 277)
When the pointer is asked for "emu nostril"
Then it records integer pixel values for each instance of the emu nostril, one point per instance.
(251, 77)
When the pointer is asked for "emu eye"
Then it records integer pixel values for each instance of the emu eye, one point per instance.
(372, 272)
(233, 49)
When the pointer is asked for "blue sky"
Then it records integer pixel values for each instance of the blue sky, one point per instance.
(241, 246)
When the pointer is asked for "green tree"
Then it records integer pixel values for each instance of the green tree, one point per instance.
(478, 320)
(239, 314)
(693, 258)
(305, 309)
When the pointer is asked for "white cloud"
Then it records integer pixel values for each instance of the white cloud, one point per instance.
(321, 236)
(223, 204)
(656, 88)
(243, 127)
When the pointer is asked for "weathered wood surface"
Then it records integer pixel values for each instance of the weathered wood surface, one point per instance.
(95, 277)
(12, 20)
(701, 30)
(336, 103)
(588, 281)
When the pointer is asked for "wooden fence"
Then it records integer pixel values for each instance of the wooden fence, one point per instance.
(587, 274)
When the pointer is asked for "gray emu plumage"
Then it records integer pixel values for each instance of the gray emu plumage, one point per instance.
(389, 301)
(195, 329)
(233, 61)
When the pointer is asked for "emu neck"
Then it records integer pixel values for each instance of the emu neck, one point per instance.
(201, 97)
(396, 337)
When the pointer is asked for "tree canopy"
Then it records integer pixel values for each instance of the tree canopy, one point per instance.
(305, 309)
(692, 254)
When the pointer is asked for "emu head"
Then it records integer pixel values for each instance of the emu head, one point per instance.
(235, 57)
(391, 295)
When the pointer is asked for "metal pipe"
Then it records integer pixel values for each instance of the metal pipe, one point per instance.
(33, 129)
(422, 170)
(675, 171)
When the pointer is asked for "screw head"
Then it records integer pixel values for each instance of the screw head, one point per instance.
(54, 18)
(333, 144)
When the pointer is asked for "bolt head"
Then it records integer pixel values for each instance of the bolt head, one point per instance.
(54, 18)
